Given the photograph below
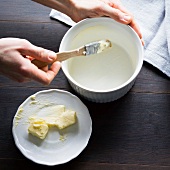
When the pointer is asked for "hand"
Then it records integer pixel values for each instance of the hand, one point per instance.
(16, 65)
(81, 9)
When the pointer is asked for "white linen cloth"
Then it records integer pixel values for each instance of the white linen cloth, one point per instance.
(153, 18)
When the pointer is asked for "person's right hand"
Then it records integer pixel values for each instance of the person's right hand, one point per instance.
(16, 64)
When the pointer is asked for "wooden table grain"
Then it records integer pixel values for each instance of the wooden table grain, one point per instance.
(132, 133)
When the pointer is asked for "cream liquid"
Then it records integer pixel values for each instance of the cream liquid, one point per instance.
(103, 71)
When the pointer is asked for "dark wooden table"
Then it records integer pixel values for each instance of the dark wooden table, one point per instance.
(132, 133)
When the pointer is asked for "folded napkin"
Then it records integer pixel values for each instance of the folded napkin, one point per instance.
(153, 18)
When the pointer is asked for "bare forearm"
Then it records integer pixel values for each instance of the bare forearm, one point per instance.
(60, 5)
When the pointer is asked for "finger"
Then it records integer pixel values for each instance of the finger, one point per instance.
(134, 25)
(136, 28)
(116, 14)
(45, 77)
(38, 53)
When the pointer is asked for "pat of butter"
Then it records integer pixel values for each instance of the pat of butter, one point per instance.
(38, 128)
(57, 116)
(66, 119)
(61, 120)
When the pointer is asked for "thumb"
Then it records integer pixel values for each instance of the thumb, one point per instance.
(117, 14)
(39, 53)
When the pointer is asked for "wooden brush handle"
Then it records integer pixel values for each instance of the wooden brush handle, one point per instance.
(61, 56)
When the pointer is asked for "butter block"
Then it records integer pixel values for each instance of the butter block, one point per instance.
(66, 119)
(57, 116)
(38, 128)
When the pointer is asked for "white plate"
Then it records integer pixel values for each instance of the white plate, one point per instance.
(59, 146)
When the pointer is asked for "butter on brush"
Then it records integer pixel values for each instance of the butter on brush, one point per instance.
(97, 47)
(88, 49)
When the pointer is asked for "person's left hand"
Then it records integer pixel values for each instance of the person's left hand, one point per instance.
(78, 10)
(82, 9)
